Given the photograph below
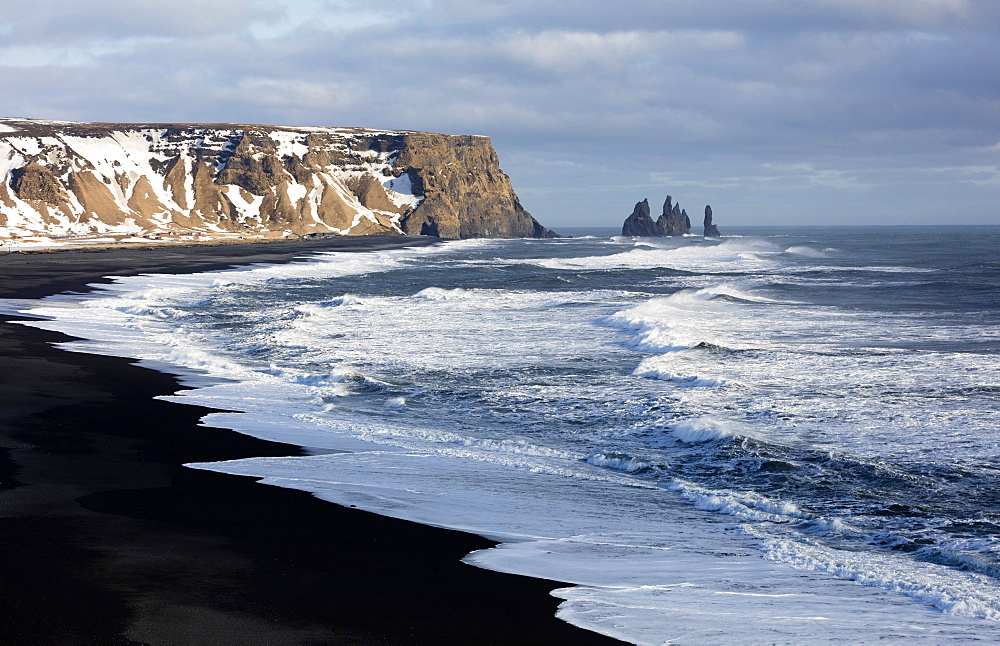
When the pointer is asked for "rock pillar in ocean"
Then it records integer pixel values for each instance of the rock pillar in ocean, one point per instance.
(711, 231)
(640, 223)
(673, 221)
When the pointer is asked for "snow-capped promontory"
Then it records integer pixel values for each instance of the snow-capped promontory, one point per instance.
(65, 178)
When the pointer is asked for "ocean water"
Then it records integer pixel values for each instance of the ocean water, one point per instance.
(780, 436)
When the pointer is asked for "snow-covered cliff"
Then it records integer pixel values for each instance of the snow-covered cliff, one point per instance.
(63, 178)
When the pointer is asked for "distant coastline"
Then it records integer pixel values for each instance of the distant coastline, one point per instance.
(231, 180)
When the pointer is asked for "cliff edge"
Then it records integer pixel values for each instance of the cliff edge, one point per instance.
(64, 179)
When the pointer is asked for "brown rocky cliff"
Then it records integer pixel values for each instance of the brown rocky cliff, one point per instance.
(36, 182)
(81, 178)
(466, 195)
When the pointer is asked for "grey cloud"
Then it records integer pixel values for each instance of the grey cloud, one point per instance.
(619, 98)
(756, 15)
(63, 22)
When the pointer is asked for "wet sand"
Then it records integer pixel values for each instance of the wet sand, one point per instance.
(108, 539)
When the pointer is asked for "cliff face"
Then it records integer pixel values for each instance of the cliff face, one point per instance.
(64, 178)
(465, 194)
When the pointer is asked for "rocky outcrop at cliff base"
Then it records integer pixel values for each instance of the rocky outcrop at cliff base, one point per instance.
(63, 178)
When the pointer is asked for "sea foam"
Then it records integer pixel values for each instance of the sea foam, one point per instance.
(555, 413)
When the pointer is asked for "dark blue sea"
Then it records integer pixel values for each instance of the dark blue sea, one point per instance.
(785, 435)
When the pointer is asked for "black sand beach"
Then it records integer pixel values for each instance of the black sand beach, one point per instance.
(107, 539)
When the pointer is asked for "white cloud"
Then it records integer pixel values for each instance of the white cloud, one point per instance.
(773, 177)
(567, 51)
(65, 22)
(304, 95)
(981, 175)
(914, 13)
(341, 16)
(77, 55)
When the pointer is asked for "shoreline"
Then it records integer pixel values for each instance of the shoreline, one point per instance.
(42, 273)
(115, 542)
(98, 242)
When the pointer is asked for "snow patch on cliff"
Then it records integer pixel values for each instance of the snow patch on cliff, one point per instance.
(247, 208)
(400, 191)
(115, 179)
(290, 144)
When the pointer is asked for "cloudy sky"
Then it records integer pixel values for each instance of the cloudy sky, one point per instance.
(773, 111)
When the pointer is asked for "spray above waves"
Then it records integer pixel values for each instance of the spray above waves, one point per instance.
(809, 252)
(705, 429)
(733, 255)
(684, 319)
(346, 300)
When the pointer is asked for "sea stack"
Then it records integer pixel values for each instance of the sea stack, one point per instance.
(711, 231)
(674, 221)
(640, 223)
